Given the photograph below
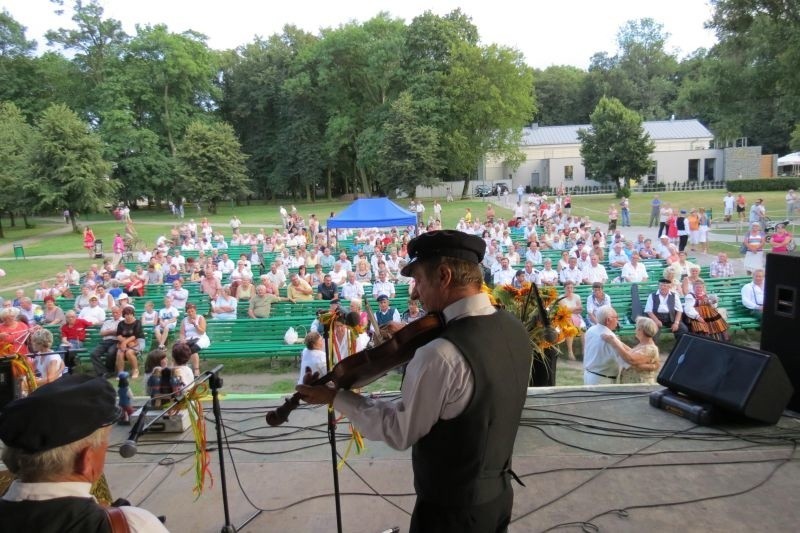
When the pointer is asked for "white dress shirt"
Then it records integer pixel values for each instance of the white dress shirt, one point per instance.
(139, 520)
(438, 385)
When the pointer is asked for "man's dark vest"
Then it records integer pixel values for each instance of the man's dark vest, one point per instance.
(59, 515)
(466, 460)
(670, 304)
(384, 318)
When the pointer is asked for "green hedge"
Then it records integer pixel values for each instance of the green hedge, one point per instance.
(764, 184)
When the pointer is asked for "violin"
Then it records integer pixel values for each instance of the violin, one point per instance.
(366, 366)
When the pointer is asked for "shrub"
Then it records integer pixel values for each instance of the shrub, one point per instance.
(763, 184)
(624, 192)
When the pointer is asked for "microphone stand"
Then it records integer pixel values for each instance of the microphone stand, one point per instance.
(215, 383)
(332, 433)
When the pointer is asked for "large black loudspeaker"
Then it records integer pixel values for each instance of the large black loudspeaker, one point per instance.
(739, 380)
(780, 328)
(7, 392)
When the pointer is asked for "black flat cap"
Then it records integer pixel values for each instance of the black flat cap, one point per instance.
(444, 243)
(64, 411)
(665, 280)
(383, 297)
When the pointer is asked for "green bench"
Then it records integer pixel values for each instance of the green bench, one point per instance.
(255, 337)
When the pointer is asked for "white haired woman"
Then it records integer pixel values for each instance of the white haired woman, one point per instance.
(49, 365)
(645, 351)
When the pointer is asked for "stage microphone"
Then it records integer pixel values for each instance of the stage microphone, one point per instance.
(128, 448)
(550, 334)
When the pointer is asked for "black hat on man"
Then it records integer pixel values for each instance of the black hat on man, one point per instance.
(444, 243)
(58, 413)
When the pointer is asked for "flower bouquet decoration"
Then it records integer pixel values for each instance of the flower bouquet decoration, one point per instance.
(548, 324)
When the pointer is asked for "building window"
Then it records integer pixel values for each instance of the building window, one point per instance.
(694, 166)
(568, 173)
(652, 174)
(708, 169)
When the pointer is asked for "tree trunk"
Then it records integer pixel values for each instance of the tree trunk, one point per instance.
(465, 190)
(74, 221)
(212, 206)
(167, 121)
(11, 217)
(2, 235)
(330, 184)
(364, 181)
(25, 220)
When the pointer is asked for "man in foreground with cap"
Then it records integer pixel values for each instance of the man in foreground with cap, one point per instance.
(55, 445)
(454, 391)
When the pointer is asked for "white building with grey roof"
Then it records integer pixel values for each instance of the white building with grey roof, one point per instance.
(683, 153)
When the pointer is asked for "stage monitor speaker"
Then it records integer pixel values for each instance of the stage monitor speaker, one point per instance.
(781, 322)
(7, 385)
(743, 381)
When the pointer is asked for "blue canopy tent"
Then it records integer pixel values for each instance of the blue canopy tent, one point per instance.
(373, 212)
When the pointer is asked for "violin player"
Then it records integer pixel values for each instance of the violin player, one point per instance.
(454, 390)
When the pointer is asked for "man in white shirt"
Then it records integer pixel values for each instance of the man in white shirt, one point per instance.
(664, 307)
(178, 260)
(505, 275)
(595, 272)
(226, 265)
(753, 293)
(178, 294)
(276, 275)
(662, 248)
(338, 274)
(618, 258)
(530, 273)
(533, 254)
(634, 272)
(123, 274)
(235, 223)
(344, 262)
(513, 255)
(728, 203)
(548, 276)
(439, 383)
(72, 275)
(93, 313)
(383, 286)
(599, 357)
(352, 290)
(583, 259)
(571, 272)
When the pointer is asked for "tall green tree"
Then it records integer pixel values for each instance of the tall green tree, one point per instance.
(561, 96)
(68, 168)
(211, 164)
(408, 150)
(360, 73)
(616, 148)
(16, 140)
(749, 83)
(169, 80)
(490, 93)
(794, 143)
(642, 73)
